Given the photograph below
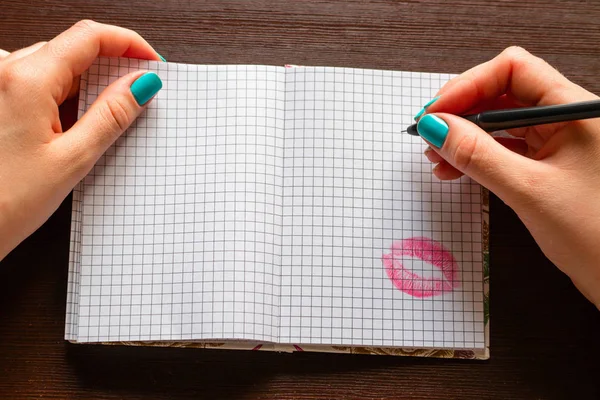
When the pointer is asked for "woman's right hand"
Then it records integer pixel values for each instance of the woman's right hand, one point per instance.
(549, 174)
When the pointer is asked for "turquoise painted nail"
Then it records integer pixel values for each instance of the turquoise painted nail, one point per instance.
(145, 87)
(433, 129)
(430, 102)
(419, 113)
(162, 58)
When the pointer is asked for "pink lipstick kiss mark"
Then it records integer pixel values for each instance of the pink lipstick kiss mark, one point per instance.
(429, 251)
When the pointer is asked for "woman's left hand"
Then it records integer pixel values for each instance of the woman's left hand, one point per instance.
(39, 163)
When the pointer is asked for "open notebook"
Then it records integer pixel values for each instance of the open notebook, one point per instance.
(277, 208)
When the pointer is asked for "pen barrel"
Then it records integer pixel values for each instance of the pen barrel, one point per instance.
(528, 116)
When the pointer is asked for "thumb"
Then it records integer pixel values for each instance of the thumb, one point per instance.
(477, 154)
(110, 115)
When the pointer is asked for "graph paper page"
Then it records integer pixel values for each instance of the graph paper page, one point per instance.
(376, 251)
(180, 220)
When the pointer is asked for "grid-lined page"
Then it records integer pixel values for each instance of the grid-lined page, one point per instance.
(180, 220)
(376, 251)
(72, 312)
(253, 202)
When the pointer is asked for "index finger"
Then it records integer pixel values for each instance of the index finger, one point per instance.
(528, 79)
(73, 51)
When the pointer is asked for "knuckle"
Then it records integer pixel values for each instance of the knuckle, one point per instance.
(86, 25)
(518, 55)
(116, 114)
(80, 31)
(20, 75)
(522, 59)
(515, 51)
(8, 75)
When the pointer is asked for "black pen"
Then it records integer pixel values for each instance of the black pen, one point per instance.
(498, 120)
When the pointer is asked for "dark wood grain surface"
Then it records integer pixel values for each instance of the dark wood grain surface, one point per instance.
(544, 336)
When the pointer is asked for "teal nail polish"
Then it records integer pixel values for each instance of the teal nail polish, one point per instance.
(419, 113)
(433, 129)
(145, 87)
(430, 102)
(162, 58)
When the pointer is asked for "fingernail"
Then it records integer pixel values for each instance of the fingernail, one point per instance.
(145, 87)
(433, 129)
(427, 152)
(430, 102)
(419, 113)
(162, 58)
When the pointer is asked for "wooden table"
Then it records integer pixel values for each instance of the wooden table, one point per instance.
(544, 335)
